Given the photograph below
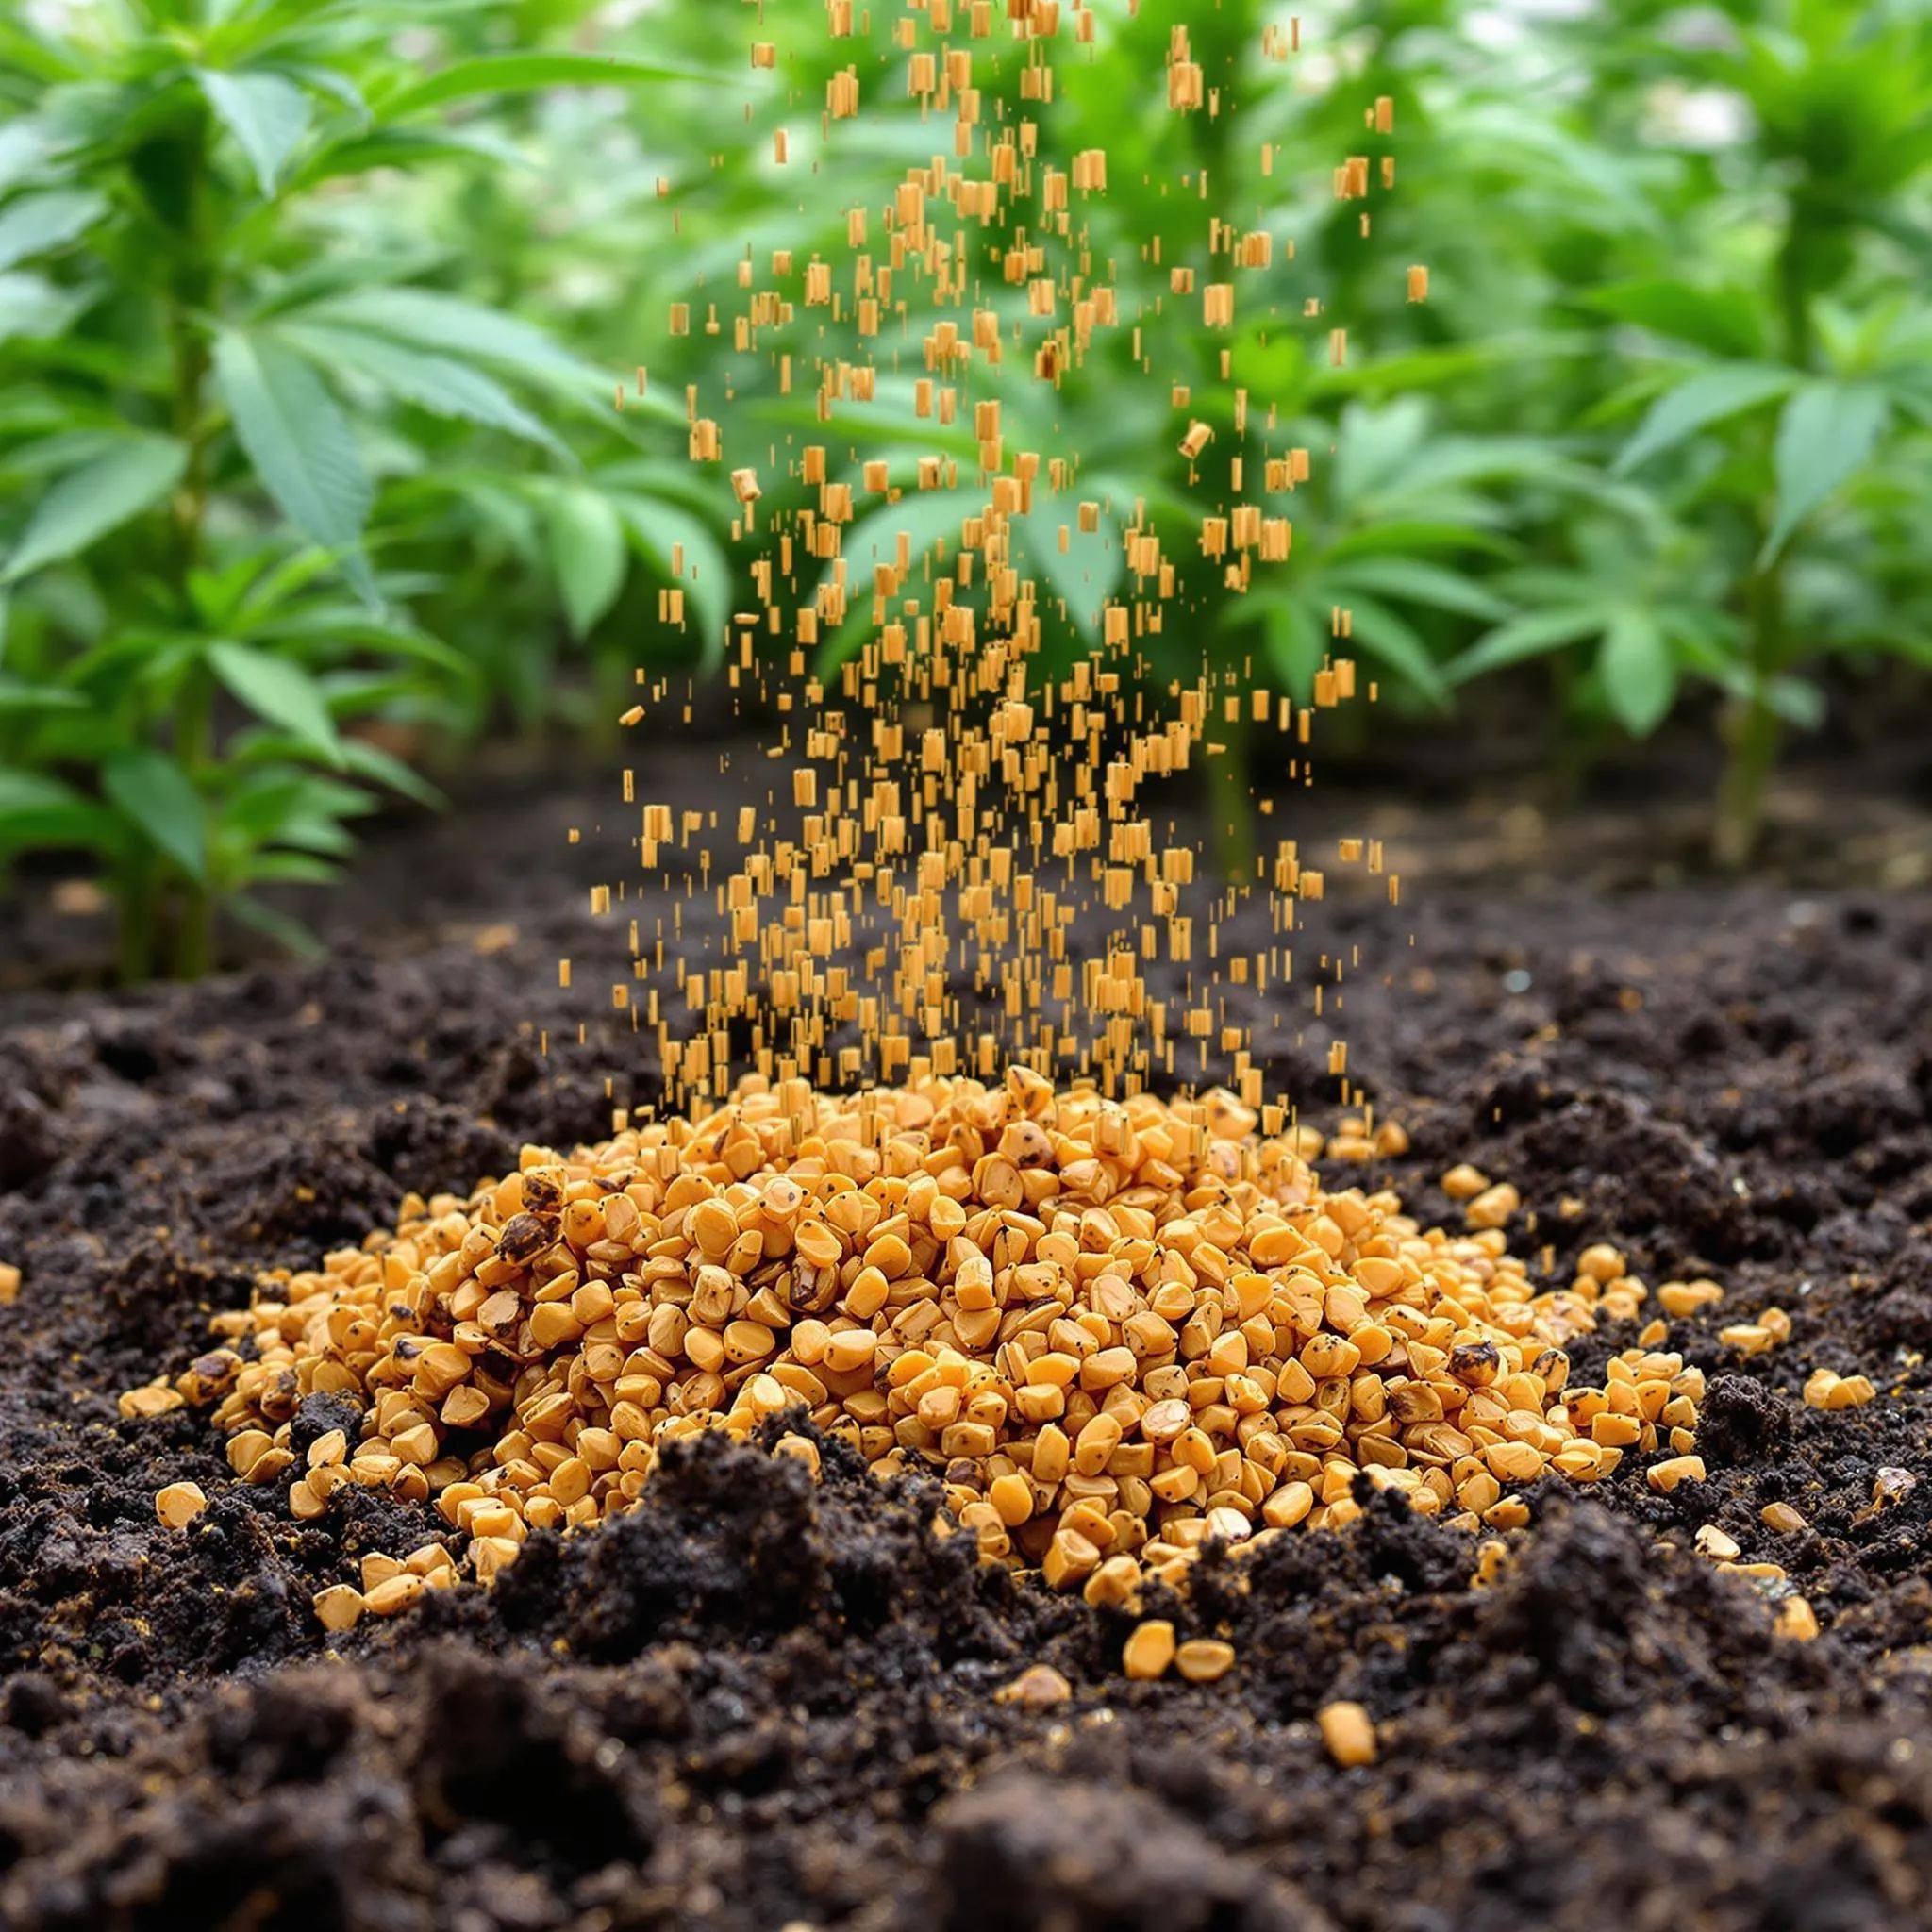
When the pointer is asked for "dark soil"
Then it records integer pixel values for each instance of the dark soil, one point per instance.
(755, 1704)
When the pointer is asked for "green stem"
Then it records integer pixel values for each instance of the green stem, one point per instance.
(1754, 733)
(1230, 801)
(1570, 773)
(134, 930)
(194, 748)
(611, 687)
(1794, 287)
(194, 926)
(1753, 736)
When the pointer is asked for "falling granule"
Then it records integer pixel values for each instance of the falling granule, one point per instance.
(958, 818)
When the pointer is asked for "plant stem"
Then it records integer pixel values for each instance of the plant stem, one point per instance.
(1230, 803)
(1754, 733)
(134, 925)
(610, 687)
(194, 930)
(1793, 285)
(194, 951)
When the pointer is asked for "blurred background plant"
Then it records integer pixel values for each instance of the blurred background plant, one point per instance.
(246, 429)
(311, 311)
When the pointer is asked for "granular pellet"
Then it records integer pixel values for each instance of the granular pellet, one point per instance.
(1797, 1620)
(1148, 1652)
(1668, 1474)
(1203, 1659)
(1825, 1390)
(1038, 1688)
(1348, 1732)
(179, 1504)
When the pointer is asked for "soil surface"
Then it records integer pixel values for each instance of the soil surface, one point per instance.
(759, 1704)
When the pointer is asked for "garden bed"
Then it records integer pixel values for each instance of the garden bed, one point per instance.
(756, 1702)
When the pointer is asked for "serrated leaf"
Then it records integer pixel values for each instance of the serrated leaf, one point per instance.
(17, 696)
(406, 148)
(358, 693)
(1414, 581)
(431, 382)
(1376, 447)
(1393, 642)
(500, 73)
(1825, 434)
(54, 455)
(318, 836)
(1490, 130)
(279, 586)
(266, 114)
(37, 811)
(885, 426)
(289, 933)
(656, 526)
(1443, 465)
(371, 761)
(294, 868)
(1403, 535)
(1084, 575)
(330, 82)
(300, 445)
(1407, 371)
(924, 517)
(336, 623)
(33, 223)
(587, 551)
(25, 145)
(1638, 671)
(31, 52)
(1535, 634)
(159, 800)
(1725, 322)
(660, 481)
(1710, 396)
(324, 277)
(450, 326)
(32, 308)
(99, 496)
(281, 692)
(1295, 646)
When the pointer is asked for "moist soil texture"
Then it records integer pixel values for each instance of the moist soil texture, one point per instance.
(758, 1703)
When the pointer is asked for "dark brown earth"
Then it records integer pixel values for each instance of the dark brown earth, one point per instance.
(755, 1703)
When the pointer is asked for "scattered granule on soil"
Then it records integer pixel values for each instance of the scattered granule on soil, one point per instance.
(1119, 1331)
(1348, 1732)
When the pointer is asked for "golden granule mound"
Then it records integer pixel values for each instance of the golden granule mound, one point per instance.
(1117, 1330)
